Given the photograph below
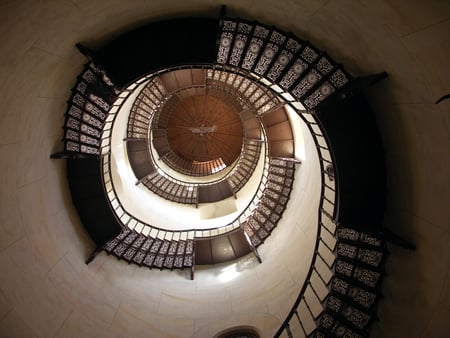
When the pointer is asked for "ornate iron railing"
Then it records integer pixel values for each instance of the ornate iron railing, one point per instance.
(130, 220)
(309, 304)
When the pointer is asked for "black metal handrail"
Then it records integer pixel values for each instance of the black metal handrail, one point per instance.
(321, 248)
(117, 205)
(308, 305)
(157, 112)
(318, 259)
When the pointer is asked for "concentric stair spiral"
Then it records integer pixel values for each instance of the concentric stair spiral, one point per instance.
(342, 289)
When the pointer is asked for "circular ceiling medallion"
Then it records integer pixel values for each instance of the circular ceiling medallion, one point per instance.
(200, 125)
(205, 128)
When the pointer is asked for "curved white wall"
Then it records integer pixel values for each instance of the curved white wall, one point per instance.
(149, 208)
(45, 288)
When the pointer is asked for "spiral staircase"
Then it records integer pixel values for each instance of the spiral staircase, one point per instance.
(265, 70)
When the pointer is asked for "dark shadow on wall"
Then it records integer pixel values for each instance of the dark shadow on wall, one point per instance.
(156, 45)
(400, 167)
(353, 137)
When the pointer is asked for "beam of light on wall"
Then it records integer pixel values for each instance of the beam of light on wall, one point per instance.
(296, 124)
(122, 165)
(229, 273)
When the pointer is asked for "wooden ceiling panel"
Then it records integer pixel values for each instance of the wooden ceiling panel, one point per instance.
(252, 123)
(282, 149)
(198, 77)
(204, 128)
(222, 250)
(239, 243)
(214, 192)
(136, 145)
(275, 117)
(169, 81)
(184, 78)
(203, 254)
(280, 131)
(254, 134)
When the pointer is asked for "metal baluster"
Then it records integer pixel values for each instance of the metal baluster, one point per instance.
(300, 322)
(288, 330)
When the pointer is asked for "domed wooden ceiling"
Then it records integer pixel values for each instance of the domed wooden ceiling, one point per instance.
(205, 128)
